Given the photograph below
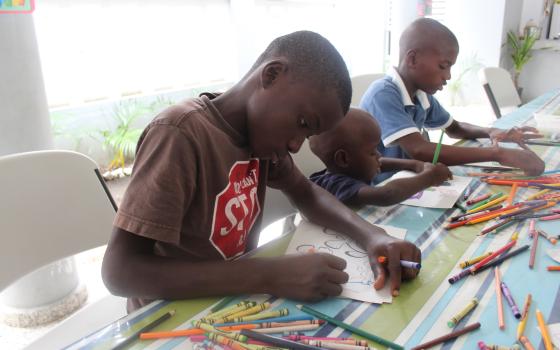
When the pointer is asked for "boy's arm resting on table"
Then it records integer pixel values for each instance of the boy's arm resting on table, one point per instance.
(131, 269)
(322, 208)
(398, 190)
(396, 164)
(418, 148)
(462, 130)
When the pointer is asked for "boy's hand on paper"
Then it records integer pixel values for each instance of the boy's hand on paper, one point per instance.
(526, 160)
(307, 277)
(438, 173)
(392, 272)
(515, 134)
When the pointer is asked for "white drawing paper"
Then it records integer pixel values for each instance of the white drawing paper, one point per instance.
(443, 196)
(309, 236)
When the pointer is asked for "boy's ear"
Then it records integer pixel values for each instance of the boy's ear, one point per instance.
(272, 71)
(411, 57)
(341, 158)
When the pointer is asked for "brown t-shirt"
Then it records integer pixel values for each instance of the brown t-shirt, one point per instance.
(195, 188)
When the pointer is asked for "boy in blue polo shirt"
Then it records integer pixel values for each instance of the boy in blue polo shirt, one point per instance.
(403, 104)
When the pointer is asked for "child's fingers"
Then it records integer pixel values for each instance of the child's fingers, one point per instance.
(394, 267)
(337, 276)
(378, 273)
(335, 262)
(409, 274)
(331, 290)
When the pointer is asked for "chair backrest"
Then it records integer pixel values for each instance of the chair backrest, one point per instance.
(53, 204)
(500, 89)
(360, 84)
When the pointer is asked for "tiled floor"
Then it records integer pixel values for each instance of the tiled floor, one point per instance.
(89, 263)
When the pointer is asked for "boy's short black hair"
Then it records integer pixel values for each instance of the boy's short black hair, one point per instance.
(311, 56)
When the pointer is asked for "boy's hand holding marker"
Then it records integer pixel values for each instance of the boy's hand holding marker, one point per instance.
(394, 251)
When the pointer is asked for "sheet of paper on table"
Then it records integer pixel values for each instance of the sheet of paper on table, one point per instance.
(309, 236)
(554, 330)
(554, 254)
(443, 196)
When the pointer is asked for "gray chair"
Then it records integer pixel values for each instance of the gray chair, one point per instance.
(500, 90)
(360, 83)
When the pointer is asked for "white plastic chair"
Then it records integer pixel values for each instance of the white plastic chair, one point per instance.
(277, 205)
(54, 205)
(500, 89)
(360, 83)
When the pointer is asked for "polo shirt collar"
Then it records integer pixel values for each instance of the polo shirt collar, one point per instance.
(407, 101)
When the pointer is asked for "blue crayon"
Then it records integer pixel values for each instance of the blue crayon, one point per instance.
(411, 264)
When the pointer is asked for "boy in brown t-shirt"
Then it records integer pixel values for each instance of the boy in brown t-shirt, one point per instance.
(197, 190)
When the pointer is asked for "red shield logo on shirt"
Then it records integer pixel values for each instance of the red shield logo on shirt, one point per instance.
(236, 209)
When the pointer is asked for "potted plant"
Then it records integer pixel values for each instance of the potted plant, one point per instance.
(520, 53)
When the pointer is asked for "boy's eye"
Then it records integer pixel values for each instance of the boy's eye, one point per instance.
(302, 122)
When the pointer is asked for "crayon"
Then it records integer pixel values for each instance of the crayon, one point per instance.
(404, 263)
(461, 314)
(447, 337)
(473, 261)
(509, 298)
(350, 328)
(280, 342)
(500, 310)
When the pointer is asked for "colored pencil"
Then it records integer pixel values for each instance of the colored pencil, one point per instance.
(500, 309)
(553, 268)
(350, 328)
(502, 258)
(526, 343)
(136, 335)
(447, 337)
(478, 199)
(485, 201)
(524, 316)
(533, 251)
(511, 196)
(486, 260)
(438, 147)
(544, 330)
(284, 343)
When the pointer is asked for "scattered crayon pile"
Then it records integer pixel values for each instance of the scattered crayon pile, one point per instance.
(254, 326)
(504, 210)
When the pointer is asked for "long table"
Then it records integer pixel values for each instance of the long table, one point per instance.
(425, 304)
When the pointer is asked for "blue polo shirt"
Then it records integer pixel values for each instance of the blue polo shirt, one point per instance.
(399, 115)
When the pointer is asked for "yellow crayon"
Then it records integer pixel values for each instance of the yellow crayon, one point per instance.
(262, 315)
(209, 328)
(229, 342)
(473, 261)
(250, 311)
(459, 316)
(229, 310)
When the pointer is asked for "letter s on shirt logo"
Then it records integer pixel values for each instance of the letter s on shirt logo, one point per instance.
(236, 209)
